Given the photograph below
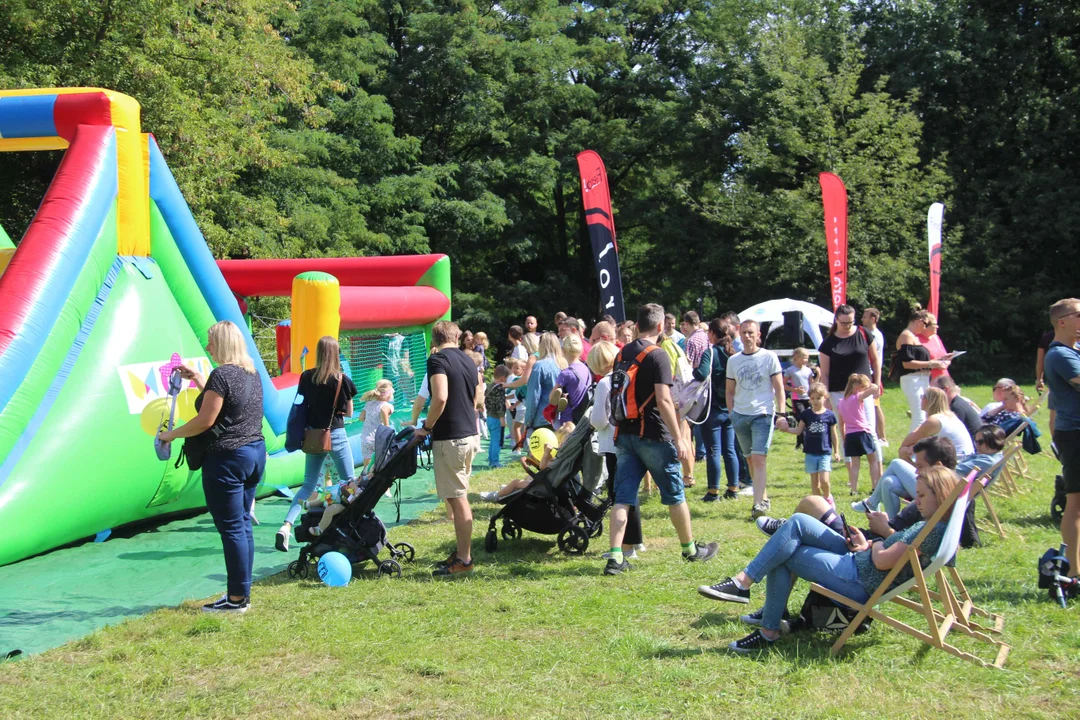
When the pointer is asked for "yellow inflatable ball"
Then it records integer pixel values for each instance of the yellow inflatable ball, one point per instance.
(154, 415)
(185, 405)
(538, 440)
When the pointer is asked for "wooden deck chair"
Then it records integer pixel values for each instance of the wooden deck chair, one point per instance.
(954, 613)
(1009, 472)
(986, 480)
(1019, 461)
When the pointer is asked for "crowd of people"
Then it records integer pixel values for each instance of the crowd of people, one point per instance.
(629, 381)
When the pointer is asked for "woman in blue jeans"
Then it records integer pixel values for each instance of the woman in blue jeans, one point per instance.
(328, 393)
(717, 432)
(805, 548)
(230, 409)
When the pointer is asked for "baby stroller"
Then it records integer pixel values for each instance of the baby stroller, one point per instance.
(557, 502)
(357, 532)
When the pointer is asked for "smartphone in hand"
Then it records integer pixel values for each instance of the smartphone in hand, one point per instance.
(847, 528)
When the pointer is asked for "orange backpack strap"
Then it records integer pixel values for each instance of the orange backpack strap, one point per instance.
(635, 407)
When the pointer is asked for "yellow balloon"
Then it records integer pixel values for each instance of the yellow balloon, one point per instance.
(538, 440)
(154, 415)
(185, 405)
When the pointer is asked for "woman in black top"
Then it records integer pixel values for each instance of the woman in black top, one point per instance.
(231, 402)
(717, 433)
(915, 365)
(849, 349)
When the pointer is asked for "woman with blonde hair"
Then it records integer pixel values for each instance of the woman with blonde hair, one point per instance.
(550, 362)
(328, 394)
(573, 383)
(230, 412)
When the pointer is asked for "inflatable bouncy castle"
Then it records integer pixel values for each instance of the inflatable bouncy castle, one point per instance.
(112, 285)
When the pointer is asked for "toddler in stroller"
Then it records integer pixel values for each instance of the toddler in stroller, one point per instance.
(354, 530)
(556, 501)
(528, 462)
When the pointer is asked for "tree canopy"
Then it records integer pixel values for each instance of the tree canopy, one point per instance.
(362, 127)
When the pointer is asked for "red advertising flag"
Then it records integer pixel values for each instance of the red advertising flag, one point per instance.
(834, 199)
(597, 199)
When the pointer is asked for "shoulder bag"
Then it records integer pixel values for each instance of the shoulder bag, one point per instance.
(195, 448)
(317, 440)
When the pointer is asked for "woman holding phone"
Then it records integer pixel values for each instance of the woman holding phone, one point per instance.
(805, 548)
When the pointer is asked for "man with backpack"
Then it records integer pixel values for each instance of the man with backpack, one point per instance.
(648, 438)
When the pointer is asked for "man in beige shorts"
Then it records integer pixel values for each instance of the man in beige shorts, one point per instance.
(456, 392)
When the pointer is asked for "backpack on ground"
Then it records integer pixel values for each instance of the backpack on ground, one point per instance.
(820, 613)
(625, 404)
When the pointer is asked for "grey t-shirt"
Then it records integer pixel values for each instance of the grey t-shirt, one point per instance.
(753, 381)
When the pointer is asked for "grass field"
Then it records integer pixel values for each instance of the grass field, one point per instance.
(537, 634)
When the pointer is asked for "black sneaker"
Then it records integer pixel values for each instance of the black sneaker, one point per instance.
(730, 494)
(754, 618)
(727, 591)
(224, 604)
(769, 525)
(702, 552)
(754, 642)
(711, 497)
(616, 568)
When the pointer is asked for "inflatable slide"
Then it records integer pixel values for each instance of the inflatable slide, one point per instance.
(112, 284)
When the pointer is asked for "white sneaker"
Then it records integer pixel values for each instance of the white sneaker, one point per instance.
(640, 547)
(492, 497)
(862, 506)
(747, 491)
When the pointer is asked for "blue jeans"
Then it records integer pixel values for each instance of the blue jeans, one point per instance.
(637, 455)
(229, 480)
(495, 430)
(699, 442)
(805, 548)
(896, 482)
(341, 452)
(719, 437)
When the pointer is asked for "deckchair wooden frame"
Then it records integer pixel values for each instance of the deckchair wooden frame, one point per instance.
(1019, 467)
(986, 480)
(955, 612)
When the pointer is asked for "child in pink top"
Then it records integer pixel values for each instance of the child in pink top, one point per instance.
(859, 437)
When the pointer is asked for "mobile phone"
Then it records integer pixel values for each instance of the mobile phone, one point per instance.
(847, 529)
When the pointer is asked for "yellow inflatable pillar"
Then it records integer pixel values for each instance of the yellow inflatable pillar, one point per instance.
(316, 311)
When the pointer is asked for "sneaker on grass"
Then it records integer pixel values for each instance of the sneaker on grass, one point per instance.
(454, 569)
(759, 509)
(702, 552)
(730, 494)
(747, 490)
(754, 642)
(754, 618)
(616, 568)
(769, 525)
(711, 497)
(225, 605)
(725, 590)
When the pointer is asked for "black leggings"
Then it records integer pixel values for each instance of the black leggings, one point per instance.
(632, 536)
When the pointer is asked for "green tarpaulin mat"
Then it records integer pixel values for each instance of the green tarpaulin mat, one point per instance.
(66, 594)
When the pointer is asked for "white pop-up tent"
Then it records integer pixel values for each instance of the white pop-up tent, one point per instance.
(771, 312)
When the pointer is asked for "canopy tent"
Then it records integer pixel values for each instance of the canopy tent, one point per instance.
(771, 313)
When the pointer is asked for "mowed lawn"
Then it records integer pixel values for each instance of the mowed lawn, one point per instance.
(535, 633)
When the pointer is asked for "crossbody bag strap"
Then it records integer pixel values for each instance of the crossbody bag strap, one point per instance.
(333, 405)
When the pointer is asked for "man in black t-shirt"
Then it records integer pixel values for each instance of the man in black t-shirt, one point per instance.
(651, 442)
(961, 408)
(456, 392)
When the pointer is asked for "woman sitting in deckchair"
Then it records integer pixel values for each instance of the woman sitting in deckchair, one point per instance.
(804, 547)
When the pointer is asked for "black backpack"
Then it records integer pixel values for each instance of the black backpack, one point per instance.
(820, 613)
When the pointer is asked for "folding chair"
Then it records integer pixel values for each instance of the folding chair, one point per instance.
(1007, 473)
(1019, 465)
(986, 480)
(955, 613)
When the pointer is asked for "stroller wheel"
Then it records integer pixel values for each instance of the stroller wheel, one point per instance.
(298, 569)
(573, 540)
(510, 530)
(407, 551)
(390, 567)
(491, 541)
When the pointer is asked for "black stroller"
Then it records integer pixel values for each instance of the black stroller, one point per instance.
(557, 502)
(357, 532)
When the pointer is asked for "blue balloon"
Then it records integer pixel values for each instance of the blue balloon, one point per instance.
(335, 569)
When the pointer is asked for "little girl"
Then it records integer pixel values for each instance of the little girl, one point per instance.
(797, 379)
(858, 431)
(549, 454)
(377, 411)
(818, 426)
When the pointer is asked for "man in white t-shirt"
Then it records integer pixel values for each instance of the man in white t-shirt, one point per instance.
(669, 329)
(755, 394)
(870, 319)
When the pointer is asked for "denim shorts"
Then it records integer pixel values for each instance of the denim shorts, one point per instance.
(754, 432)
(817, 463)
(637, 455)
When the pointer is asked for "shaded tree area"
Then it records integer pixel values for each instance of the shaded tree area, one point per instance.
(363, 127)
